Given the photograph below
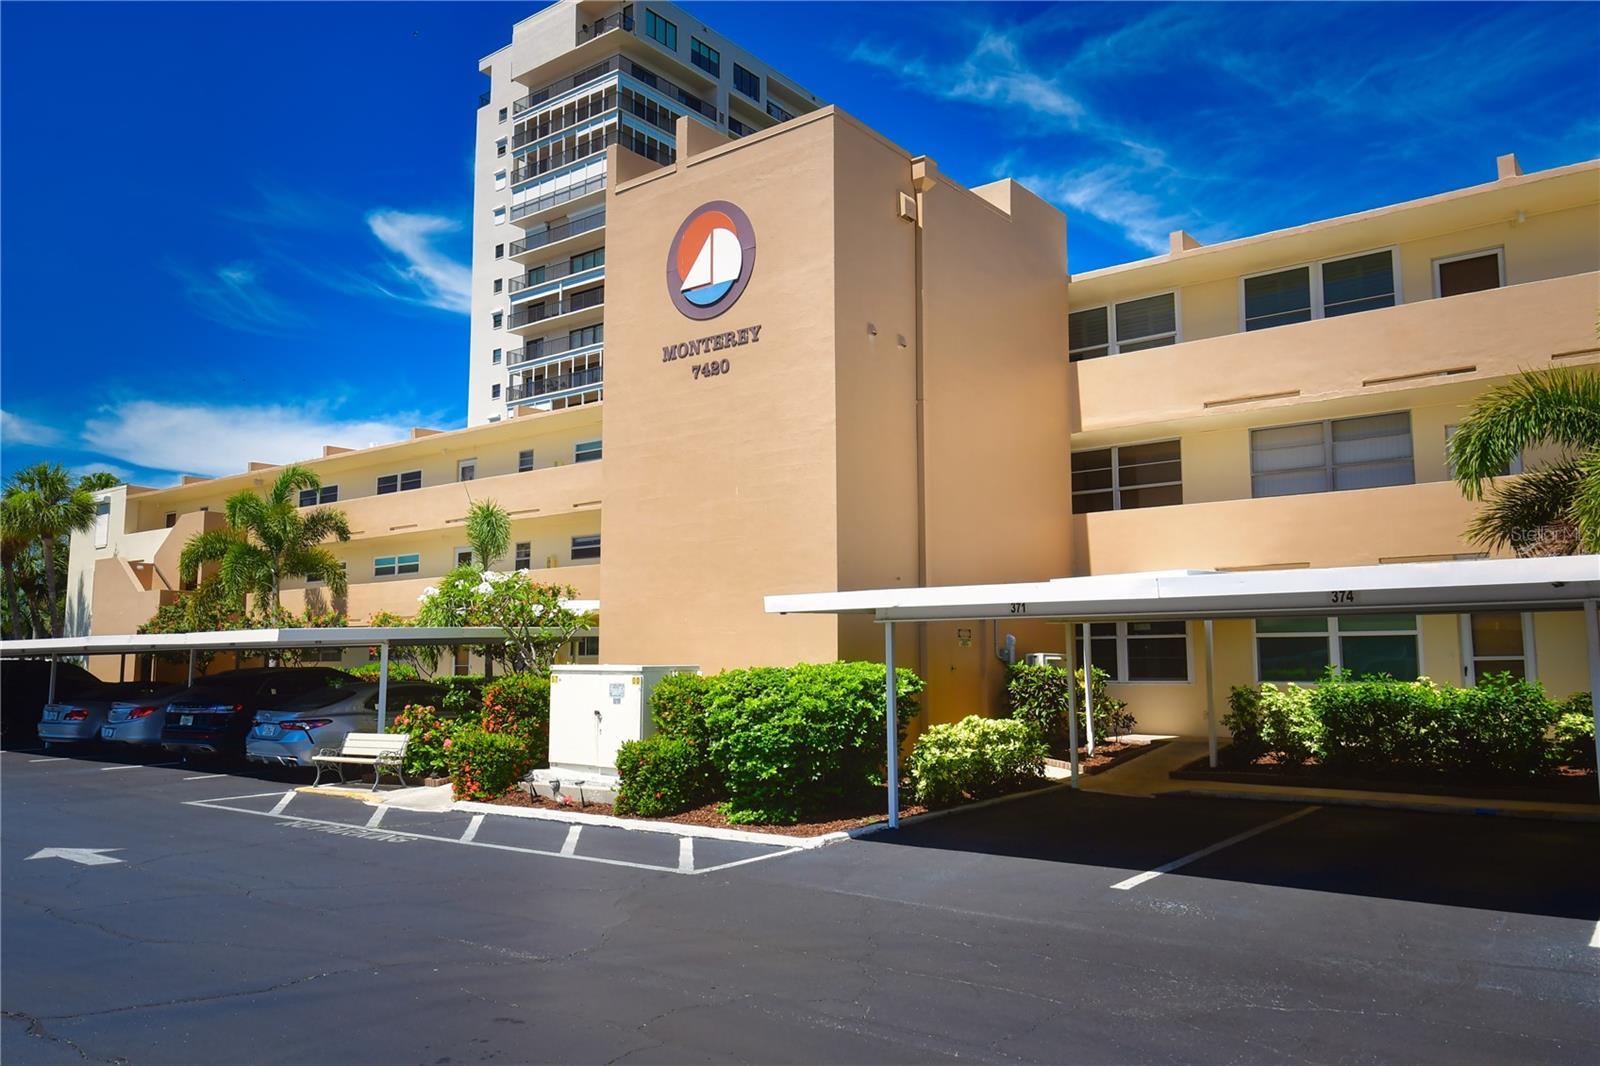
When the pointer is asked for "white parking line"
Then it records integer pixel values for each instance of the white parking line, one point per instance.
(132, 766)
(686, 854)
(471, 832)
(570, 845)
(1150, 875)
(284, 802)
(58, 758)
(204, 777)
(1594, 941)
(377, 816)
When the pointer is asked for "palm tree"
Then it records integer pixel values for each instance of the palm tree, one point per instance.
(1553, 509)
(488, 532)
(267, 539)
(42, 506)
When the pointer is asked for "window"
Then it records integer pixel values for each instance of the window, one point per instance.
(502, 114)
(467, 469)
(659, 29)
(463, 556)
(1127, 476)
(586, 547)
(102, 523)
(494, 392)
(1148, 322)
(1346, 453)
(390, 565)
(172, 519)
(583, 648)
(705, 57)
(498, 318)
(1299, 649)
(523, 555)
(587, 261)
(1327, 289)
(499, 251)
(500, 147)
(1513, 465)
(499, 285)
(498, 355)
(411, 479)
(326, 494)
(499, 216)
(1137, 651)
(1497, 642)
(1473, 272)
(586, 451)
(747, 83)
(499, 179)
(461, 664)
(525, 460)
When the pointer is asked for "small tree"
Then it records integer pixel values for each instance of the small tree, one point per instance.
(488, 532)
(535, 618)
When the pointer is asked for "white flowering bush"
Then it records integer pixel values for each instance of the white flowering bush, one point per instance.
(535, 617)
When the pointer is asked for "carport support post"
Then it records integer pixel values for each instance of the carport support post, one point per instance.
(383, 683)
(892, 725)
(1072, 709)
(1088, 689)
(1211, 698)
(51, 698)
(1591, 619)
(191, 668)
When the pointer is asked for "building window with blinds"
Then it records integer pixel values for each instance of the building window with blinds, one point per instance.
(1345, 453)
(1327, 289)
(1137, 651)
(1300, 649)
(1127, 476)
(1130, 326)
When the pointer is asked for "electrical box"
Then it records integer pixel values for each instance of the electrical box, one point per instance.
(595, 708)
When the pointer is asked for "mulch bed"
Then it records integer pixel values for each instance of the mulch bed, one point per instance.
(1564, 784)
(709, 815)
(1106, 755)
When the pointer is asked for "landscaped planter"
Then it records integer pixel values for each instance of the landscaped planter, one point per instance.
(1563, 785)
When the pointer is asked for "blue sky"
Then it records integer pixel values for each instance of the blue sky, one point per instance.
(238, 231)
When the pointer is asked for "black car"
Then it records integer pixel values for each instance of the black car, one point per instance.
(215, 715)
(25, 689)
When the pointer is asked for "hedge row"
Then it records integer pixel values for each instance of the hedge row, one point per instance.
(1503, 727)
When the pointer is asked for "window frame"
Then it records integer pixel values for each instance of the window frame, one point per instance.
(710, 54)
(649, 30)
(1328, 466)
(1498, 251)
(325, 495)
(1335, 648)
(578, 455)
(399, 482)
(574, 548)
(522, 555)
(1122, 677)
(1529, 657)
(740, 68)
(1315, 267)
(467, 469)
(1116, 479)
(393, 563)
(529, 455)
(1112, 342)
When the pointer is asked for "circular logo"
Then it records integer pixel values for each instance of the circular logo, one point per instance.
(710, 260)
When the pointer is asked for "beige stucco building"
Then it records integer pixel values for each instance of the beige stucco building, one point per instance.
(896, 380)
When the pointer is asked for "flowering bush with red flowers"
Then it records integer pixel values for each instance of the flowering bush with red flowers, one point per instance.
(484, 765)
(430, 737)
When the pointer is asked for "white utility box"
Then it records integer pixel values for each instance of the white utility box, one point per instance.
(594, 709)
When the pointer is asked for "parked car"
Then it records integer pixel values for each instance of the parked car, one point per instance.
(136, 720)
(214, 716)
(24, 688)
(293, 731)
(80, 720)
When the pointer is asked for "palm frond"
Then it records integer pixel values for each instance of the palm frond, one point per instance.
(207, 546)
(1586, 501)
(318, 563)
(291, 481)
(1559, 407)
(488, 532)
(245, 511)
(322, 523)
(1529, 514)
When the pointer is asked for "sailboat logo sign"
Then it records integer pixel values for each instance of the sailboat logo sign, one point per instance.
(710, 260)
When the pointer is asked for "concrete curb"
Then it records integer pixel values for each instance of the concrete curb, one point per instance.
(1488, 810)
(929, 816)
(642, 825)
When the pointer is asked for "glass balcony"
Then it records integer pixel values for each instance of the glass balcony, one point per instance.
(554, 306)
(561, 268)
(584, 148)
(536, 387)
(549, 347)
(622, 20)
(555, 199)
(559, 231)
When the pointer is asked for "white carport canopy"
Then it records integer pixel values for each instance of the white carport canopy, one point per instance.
(1542, 584)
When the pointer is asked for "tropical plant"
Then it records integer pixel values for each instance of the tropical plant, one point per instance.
(1553, 509)
(267, 539)
(975, 758)
(488, 532)
(43, 506)
(535, 618)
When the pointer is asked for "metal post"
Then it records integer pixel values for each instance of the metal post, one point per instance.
(51, 698)
(1088, 689)
(893, 725)
(1072, 709)
(1591, 618)
(1211, 698)
(383, 683)
(122, 667)
(191, 668)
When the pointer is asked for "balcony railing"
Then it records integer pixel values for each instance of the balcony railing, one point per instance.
(578, 379)
(559, 231)
(583, 149)
(562, 85)
(550, 308)
(671, 90)
(554, 199)
(777, 112)
(611, 64)
(552, 272)
(739, 129)
(620, 21)
(547, 347)
(585, 110)
(483, 99)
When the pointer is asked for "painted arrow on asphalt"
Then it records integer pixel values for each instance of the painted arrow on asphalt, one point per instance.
(86, 856)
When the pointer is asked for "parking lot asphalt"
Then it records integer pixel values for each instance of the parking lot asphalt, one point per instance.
(1101, 928)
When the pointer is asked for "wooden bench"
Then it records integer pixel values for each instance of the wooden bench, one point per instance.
(381, 751)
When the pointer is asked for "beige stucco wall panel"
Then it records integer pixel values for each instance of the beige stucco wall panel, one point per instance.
(1563, 663)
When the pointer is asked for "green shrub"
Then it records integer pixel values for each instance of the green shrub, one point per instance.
(975, 758)
(425, 751)
(1573, 739)
(678, 706)
(1289, 726)
(809, 738)
(397, 671)
(1378, 723)
(662, 775)
(485, 765)
(1243, 721)
(463, 695)
(1039, 695)
(519, 705)
(1499, 727)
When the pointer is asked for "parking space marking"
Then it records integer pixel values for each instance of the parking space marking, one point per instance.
(1150, 875)
(284, 802)
(377, 816)
(471, 832)
(569, 846)
(131, 766)
(1594, 941)
(686, 854)
(54, 758)
(204, 777)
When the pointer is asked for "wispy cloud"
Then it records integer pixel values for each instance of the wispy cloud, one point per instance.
(121, 473)
(205, 439)
(15, 430)
(421, 272)
(1111, 194)
(994, 73)
(233, 294)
